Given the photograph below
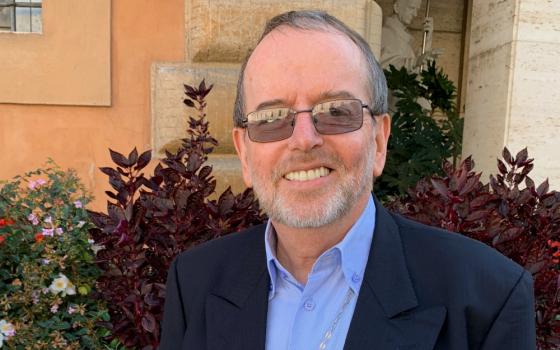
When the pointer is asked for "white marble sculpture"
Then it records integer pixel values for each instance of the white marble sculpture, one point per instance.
(397, 44)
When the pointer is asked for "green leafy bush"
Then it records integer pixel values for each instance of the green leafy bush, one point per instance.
(426, 129)
(47, 267)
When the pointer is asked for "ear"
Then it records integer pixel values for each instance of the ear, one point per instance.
(382, 132)
(240, 141)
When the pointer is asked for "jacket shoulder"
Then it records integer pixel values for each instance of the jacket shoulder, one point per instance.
(439, 257)
(450, 245)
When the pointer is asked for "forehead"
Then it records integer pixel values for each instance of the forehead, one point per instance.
(294, 65)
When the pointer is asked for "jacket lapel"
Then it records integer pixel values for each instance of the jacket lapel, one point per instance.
(387, 314)
(236, 309)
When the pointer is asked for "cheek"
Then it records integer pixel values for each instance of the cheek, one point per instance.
(260, 166)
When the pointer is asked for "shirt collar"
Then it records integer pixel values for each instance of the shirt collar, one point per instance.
(353, 250)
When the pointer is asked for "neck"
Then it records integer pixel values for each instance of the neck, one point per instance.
(297, 249)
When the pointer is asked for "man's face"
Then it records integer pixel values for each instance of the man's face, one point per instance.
(298, 69)
(407, 10)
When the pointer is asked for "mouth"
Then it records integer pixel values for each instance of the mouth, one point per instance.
(307, 175)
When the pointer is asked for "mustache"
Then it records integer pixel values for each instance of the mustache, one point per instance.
(299, 160)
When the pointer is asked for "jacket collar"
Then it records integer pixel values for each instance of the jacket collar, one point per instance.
(388, 314)
(236, 308)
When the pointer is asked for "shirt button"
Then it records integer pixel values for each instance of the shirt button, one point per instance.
(356, 278)
(309, 305)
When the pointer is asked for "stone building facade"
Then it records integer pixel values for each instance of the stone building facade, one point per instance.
(115, 78)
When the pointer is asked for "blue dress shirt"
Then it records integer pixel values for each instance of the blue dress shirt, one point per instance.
(300, 315)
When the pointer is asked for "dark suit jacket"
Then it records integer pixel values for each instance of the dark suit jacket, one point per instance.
(424, 288)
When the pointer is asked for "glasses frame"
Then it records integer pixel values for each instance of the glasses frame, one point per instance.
(292, 113)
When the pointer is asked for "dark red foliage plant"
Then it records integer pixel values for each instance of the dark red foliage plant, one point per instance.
(150, 219)
(511, 214)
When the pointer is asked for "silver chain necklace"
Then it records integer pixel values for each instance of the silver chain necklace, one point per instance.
(329, 333)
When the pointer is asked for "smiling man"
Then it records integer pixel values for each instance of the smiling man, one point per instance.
(332, 269)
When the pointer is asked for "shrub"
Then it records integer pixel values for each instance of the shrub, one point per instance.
(422, 137)
(150, 220)
(47, 268)
(510, 213)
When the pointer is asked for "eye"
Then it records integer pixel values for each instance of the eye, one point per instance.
(339, 108)
(340, 111)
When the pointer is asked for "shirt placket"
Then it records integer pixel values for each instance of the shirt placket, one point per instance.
(306, 320)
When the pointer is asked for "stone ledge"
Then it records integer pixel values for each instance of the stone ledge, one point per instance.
(227, 172)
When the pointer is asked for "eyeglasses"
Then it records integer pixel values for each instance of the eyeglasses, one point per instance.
(329, 117)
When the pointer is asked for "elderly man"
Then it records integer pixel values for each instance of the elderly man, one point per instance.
(332, 269)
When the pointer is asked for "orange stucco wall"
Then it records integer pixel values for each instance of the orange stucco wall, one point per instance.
(142, 32)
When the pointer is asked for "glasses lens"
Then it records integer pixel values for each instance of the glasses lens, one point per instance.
(338, 117)
(270, 125)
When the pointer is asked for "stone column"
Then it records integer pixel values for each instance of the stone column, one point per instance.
(513, 90)
(219, 34)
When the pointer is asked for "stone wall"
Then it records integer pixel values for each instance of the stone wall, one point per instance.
(514, 84)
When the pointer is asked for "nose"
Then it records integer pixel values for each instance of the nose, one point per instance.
(304, 137)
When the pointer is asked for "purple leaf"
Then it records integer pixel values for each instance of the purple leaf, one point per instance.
(119, 159)
(143, 160)
(133, 156)
(149, 322)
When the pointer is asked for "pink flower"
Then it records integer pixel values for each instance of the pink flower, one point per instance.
(35, 296)
(31, 217)
(78, 204)
(71, 310)
(59, 231)
(48, 219)
(34, 184)
(54, 309)
(48, 232)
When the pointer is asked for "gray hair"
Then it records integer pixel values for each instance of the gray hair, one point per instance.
(320, 20)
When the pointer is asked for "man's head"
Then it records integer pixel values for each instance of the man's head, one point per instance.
(321, 21)
(311, 177)
(406, 10)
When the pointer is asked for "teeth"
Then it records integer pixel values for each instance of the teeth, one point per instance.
(307, 175)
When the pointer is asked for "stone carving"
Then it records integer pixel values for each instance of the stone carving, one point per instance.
(397, 44)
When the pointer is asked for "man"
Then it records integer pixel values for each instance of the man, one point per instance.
(397, 42)
(332, 269)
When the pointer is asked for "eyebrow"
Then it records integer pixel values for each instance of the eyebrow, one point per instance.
(327, 95)
(270, 103)
(336, 94)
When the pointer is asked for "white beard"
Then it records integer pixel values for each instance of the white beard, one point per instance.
(322, 207)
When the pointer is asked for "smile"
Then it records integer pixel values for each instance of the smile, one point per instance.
(308, 175)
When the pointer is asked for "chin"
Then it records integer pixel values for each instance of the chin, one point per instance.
(310, 211)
